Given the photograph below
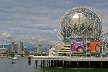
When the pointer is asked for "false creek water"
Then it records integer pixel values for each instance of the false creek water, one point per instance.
(22, 65)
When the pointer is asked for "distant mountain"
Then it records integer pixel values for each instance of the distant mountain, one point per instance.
(7, 46)
(10, 46)
(30, 48)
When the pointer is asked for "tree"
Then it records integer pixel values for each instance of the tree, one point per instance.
(12, 54)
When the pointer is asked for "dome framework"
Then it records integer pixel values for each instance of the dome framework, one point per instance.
(80, 22)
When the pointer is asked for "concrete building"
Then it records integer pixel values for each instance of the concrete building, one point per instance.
(60, 49)
(80, 30)
(39, 50)
(52, 52)
(48, 47)
(3, 50)
(20, 47)
(24, 50)
(13, 47)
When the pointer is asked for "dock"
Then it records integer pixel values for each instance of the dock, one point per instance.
(71, 62)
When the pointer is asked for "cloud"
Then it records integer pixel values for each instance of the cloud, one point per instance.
(6, 35)
(6, 38)
(55, 31)
(35, 21)
(104, 18)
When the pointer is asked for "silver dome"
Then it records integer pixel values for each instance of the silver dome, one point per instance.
(80, 22)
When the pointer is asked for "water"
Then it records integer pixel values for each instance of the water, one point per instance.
(22, 65)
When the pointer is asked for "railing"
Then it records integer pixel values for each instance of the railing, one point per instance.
(70, 58)
(50, 57)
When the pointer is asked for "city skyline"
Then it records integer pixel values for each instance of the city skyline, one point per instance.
(37, 22)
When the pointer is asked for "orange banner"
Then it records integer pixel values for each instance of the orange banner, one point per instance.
(107, 47)
(94, 46)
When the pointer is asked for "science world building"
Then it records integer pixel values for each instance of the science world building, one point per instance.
(80, 22)
(81, 32)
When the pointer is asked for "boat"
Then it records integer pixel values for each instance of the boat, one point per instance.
(15, 58)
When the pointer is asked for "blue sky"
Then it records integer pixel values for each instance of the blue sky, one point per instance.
(38, 21)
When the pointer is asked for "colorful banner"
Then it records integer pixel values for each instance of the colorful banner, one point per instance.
(78, 47)
(94, 46)
(106, 47)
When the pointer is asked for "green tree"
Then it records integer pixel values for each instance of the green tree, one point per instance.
(12, 54)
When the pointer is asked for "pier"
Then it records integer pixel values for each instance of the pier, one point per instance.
(71, 62)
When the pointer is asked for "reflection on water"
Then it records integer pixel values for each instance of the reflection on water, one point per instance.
(46, 69)
(22, 65)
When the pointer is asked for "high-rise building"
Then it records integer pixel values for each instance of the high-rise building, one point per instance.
(13, 47)
(20, 47)
(39, 50)
(48, 47)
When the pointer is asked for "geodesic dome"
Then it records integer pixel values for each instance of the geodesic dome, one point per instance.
(80, 22)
